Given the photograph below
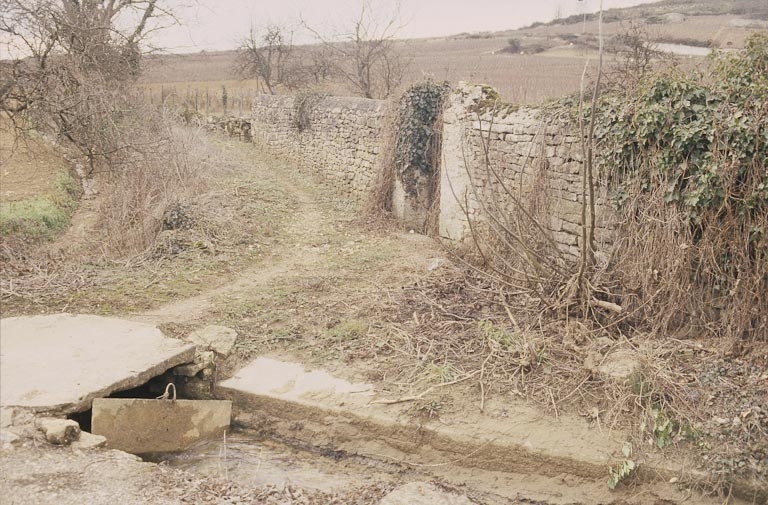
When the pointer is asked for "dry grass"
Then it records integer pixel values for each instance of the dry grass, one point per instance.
(29, 165)
(114, 260)
(136, 199)
(378, 207)
(457, 326)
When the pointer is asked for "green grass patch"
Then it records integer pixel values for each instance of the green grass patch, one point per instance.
(41, 217)
(349, 330)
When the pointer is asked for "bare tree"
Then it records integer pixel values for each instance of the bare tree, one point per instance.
(319, 63)
(367, 59)
(636, 51)
(266, 54)
(72, 65)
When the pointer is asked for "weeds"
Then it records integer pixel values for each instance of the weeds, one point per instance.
(622, 471)
(41, 217)
(305, 104)
(662, 428)
(169, 173)
(219, 219)
(348, 330)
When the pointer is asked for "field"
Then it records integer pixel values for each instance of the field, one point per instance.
(524, 79)
(551, 66)
(28, 166)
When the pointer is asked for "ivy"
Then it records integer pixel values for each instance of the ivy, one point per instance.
(418, 110)
(706, 136)
(304, 105)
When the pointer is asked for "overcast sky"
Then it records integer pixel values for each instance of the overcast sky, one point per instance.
(218, 24)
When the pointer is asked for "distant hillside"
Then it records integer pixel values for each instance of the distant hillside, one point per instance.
(703, 23)
(657, 12)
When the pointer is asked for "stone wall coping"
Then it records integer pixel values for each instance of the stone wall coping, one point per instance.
(327, 102)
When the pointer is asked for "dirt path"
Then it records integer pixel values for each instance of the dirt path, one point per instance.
(316, 242)
(310, 220)
(321, 246)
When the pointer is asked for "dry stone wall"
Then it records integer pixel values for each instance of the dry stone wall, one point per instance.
(493, 156)
(340, 142)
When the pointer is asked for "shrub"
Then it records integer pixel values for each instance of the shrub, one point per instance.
(686, 158)
(513, 46)
(304, 105)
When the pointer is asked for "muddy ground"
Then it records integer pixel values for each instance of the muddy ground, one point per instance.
(267, 251)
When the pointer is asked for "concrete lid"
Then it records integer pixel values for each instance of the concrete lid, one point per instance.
(61, 362)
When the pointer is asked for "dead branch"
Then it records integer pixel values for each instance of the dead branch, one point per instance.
(425, 392)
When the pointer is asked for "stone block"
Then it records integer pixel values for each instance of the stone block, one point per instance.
(572, 228)
(564, 151)
(142, 426)
(58, 431)
(554, 140)
(214, 337)
(8, 439)
(554, 130)
(89, 441)
(6, 417)
(622, 366)
(202, 360)
(564, 238)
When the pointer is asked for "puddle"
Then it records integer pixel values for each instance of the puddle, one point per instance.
(263, 462)
(683, 49)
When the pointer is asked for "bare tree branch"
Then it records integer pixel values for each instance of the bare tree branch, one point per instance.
(77, 60)
(366, 57)
(267, 54)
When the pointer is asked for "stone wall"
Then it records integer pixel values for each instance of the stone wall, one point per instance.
(530, 158)
(340, 142)
(493, 156)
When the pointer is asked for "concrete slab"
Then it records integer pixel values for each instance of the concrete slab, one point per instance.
(142, 426)
(60, 363)
(292, 381)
